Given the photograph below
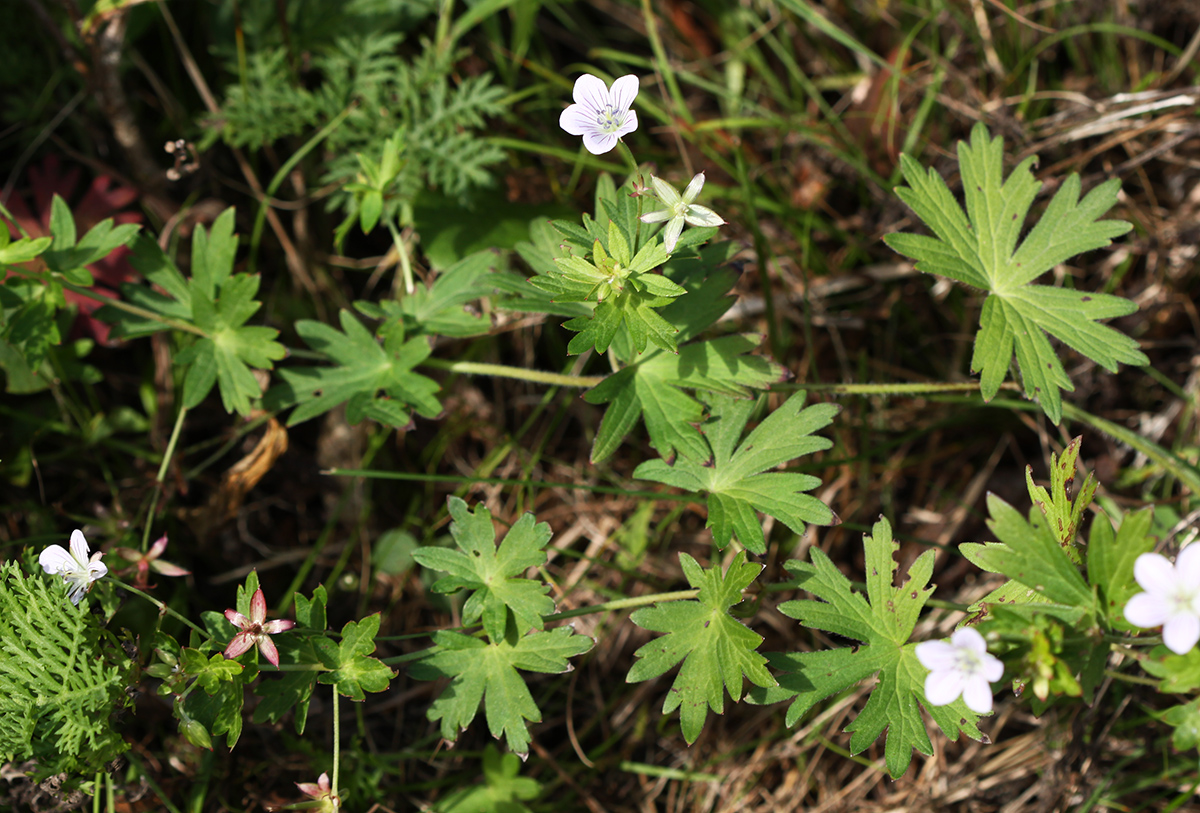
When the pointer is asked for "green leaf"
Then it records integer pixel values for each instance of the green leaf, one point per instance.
(734, 477)
(882, 622)
(979, 248)
(376, 379)
(494, 573)
(438, 309)
(1185, 719)
(353, 671)
(1178, 674)
(501, 791)
(210, 672)
(1063, 512)
(484, 672)
(218, 713)
(214, 300)
(1110, 560)
(716, 649)
(1030, 553)
(653, 389)
(23, 250)
(292, 692)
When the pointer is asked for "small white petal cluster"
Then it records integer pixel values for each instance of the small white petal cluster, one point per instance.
(1172, 597)
(960, 666)
(680, 209)
(75, 566)
(600, 114)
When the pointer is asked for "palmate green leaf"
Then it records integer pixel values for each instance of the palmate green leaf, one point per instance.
(485, 672)
(1030, 553)
(882, 622)
(733, 475)
(980, 248)
(438, 309)
(717, 650)
(68, 257)
(375, 380)
(1110, 559)
(624, 286)
(216, 301)
(352, 670)
(209, 672)
(501, 791)
(653, 389)
(493, 572)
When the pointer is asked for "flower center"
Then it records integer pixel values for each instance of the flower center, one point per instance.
(970, 662)
(1183, 600)
(610, 119)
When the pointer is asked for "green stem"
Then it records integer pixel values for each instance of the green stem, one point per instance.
(504, 371)
(1142, 681)
(161, 607)
(337, 747)
(405, 262)
(162, 475)
(892, 389)
(187, 327)
(623, 604)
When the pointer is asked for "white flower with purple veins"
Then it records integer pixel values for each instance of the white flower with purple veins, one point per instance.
(601, 114)
(680, 209)
(75, 566)
(960, 666)
(1172, 597)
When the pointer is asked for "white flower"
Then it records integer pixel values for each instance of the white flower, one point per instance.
(961, 665)
(1172, 597)
(599, 114)
(75, 567)
(680, 209)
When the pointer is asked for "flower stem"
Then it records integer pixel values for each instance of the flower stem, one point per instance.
(177, 324)
(162, 475)
(161, 606)
(405, 262)
(504, 371)
(337, 747)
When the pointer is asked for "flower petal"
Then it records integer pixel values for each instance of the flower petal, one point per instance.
(278, 625)
(693, 187)
(1187, 566)
(671, 233)
(576, 120)
(267, 647)
(55, 560)
(698, 215)
(79, 547)
(96, 571)
(977, 694)
(1181, 633)
(628, 125)
(237, 619)
(156, 550)
(624, 91)
(665, 192)
(240, 643)
(1146, 610)
(599, 143)
(936, 655)
(258, 607)
(943, 687)
(657, 216)
(993, 668)
(591, 92)
(1154, 573)
(968, 638)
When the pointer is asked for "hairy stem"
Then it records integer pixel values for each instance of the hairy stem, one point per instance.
(162, 608)
(504, 371)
